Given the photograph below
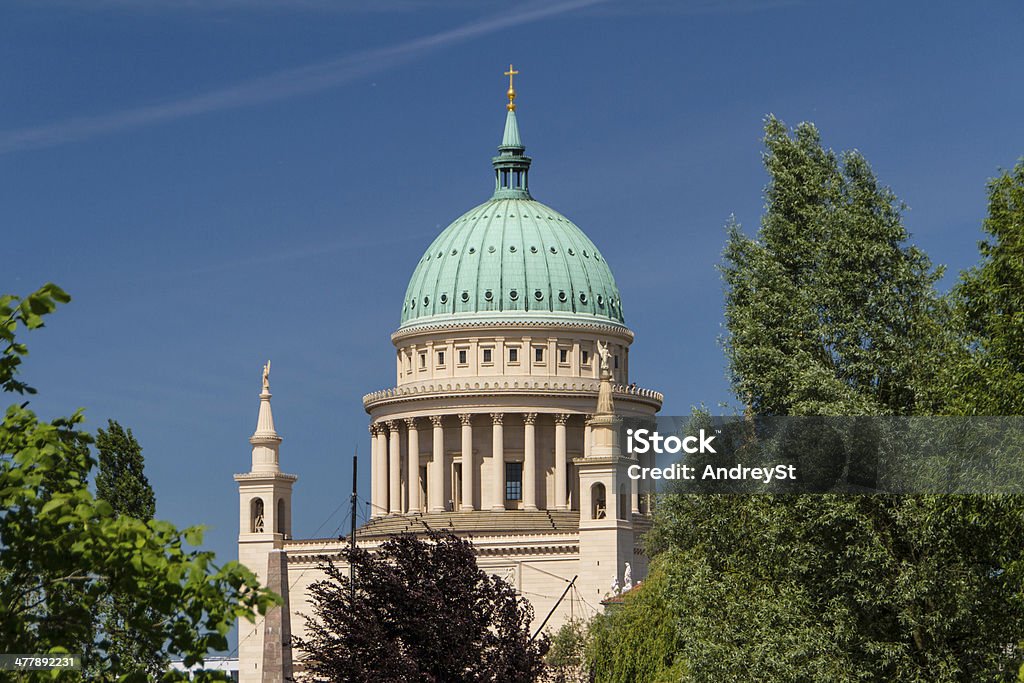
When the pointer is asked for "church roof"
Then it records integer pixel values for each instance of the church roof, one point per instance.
(511, 257)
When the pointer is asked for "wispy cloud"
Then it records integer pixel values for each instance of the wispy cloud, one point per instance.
(278, 85)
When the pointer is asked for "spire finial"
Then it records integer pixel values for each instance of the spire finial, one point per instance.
(266, 376)
(511, 90)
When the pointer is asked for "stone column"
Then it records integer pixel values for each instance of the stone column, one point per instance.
(379, 502)
(394, 468)
(586, 435)
(498, 456)
(374, 470)
(560, 461)
(467, 460)
(529, 461)
(435, 477)
(634, 493)
(414, 464)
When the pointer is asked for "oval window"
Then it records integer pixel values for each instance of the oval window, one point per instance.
(563, 297)
(572, 253)
(538, 295)
(465, 296)
(512, 248)
(583, 297)
(444, 298)
(488, 295)
(513, 295)
(426, 301)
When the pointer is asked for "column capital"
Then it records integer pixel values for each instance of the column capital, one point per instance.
(529, 418)
(436, 420)
(374, 428)
(561, 418)
(496, 418)
(465, 419)
(392, 425)
(410, 422)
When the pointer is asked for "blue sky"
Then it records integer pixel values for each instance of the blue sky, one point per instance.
(221, 182)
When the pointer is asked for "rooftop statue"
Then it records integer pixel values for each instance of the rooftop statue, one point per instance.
(266, 376)
(602, 350)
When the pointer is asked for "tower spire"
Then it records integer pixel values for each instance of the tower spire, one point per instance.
(265, 440)
(511, 166)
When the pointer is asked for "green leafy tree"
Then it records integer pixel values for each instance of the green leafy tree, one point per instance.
(421, 611)
(63, 551)
(990, 301)
(567, 659)
(828, 311)
(121, 480)
(122, 483)
(640, 640)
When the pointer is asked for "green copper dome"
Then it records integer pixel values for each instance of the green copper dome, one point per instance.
(511, 258)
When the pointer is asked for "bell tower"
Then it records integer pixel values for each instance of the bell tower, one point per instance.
(606, 523)
(265, 521)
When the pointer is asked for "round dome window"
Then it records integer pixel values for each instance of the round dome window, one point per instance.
(538, 295)
(563, 297)
(583, 297)
(488, 295)
(444, 298)
(533, 250)
(513, 295)
(572, 253)
(472, 250)
(553, 250)
(465, 297)
(490, 249)
(426, 301)
(600, 300)
(512, 248)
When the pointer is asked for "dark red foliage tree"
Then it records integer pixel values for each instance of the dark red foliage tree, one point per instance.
(422, 611)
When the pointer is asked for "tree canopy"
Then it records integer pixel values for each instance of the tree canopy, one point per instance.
(830, 311)
(63, 551)
(421, 611)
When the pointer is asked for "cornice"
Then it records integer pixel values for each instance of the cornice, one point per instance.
(507, 387)
(499, 323)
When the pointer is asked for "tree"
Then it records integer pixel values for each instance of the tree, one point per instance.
(566, 661)
(990, 301)
(422, 611)
(62, 551)
(121, 482)
(828, 311)
(641, 640)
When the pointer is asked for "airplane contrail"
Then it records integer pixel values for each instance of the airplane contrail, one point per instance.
(275, 86)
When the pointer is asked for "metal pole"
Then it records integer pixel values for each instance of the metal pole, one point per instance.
(564, 593)
(352, 537)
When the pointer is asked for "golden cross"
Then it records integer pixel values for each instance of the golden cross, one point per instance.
(511, 91)
(510, 73)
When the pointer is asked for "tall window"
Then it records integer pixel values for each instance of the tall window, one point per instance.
(563, 355)
(585, 357)
(538, 354)
(487, 355)
(598, 502)
(462, 356)
(513, 355)
(513, 481)
(440, 358)
(423, 361)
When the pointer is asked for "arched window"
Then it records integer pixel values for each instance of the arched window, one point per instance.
(598, 502)
(256, 515)
(280, 516)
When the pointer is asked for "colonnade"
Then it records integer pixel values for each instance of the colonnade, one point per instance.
(395, 470)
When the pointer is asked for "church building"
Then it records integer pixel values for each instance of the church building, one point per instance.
(511, 376)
